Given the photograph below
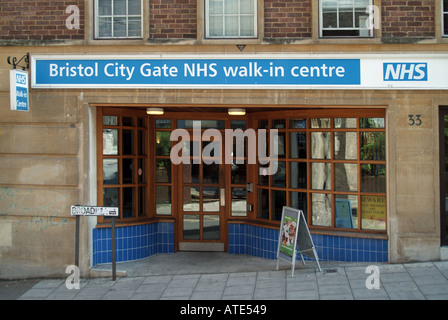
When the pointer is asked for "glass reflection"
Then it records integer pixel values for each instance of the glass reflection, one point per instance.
(345, 146)
(163, 200)
(346, 207)
(210, 197)
(320, 145)
(321, 176)
(110, 141)
(239, 203)
(191, 199)
(191, 227)
(346, 177)
(110, 171)
(321, 209)
(210, 227)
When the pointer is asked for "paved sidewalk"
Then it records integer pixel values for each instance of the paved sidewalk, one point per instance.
(343, 281)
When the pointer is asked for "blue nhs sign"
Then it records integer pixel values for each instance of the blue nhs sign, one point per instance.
(405, 71)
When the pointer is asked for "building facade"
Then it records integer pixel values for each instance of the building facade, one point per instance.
(346, 100)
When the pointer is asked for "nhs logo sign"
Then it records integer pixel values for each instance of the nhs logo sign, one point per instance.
(405, 71)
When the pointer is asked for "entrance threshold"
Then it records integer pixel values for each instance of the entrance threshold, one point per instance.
(201, 246)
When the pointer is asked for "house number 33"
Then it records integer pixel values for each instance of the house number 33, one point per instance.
(415, 119)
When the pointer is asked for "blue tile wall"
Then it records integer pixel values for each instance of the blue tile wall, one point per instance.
(262, 242)
(133, 242)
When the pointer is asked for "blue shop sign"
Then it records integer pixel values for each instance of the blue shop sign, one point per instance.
(109, 73)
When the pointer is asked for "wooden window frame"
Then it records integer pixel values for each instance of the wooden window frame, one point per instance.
(144, 157)
(323, 113)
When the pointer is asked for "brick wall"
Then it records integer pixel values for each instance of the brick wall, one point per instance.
(287, 19)
(408, 18)
(38, 20)
(172, 19)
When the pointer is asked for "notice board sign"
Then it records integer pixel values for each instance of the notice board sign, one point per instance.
(94, 211)
(19, 90)
(294, 238)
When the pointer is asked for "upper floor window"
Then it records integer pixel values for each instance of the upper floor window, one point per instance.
(445, 18)
(345, 18)
(118, 19)
(231, 18)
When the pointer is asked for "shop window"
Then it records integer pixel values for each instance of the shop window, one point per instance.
(122, 164)
(346, 18)
(333, 168)
(231, 18)
(118, 19)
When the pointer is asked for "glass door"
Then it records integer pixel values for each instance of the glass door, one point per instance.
(201, 190)
(443, 149)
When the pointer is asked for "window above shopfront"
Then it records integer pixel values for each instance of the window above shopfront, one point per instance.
(231, 19)
(118, 19)
(346, 18)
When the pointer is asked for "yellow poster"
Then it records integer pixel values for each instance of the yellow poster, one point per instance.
(373, 210)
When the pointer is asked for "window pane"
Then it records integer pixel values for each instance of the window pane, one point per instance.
(279, 178)
(163, 200)
(231, 7)
(128, 142)
(190, 173)
(110, 171)
(104, 7)
(263, 203)
(298, 174)
(163, 170)
(215, 6)
(110, 141)
(128, 171)
(321, 176)
(345, 146)
(345, 123)
(377, 123)
(110, 197)
(373, 178)
(134, 7)
(278, 201)
(346, 208)
(127, 121)
(110, 120)
(298, 145)
(299, 201)
(231, 26)
(239, 203)
(141, 201)
(346, 18)
(247, 7)
(191, 227)
(216, 26)
(238, 173)
(163, 143)
(373, 212)
(297, 124)
(373, 146)
(141, 143)
(247, 26)
(134, 27)
(321, 209)
(210, 197)
(128, 202)
(238, 124)
(119, 7)
(211, 228)
(163, 124)
(320, 145)
(329, 18)
(320, 123)
(191, 199)
(119, 27)
(346, 177)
